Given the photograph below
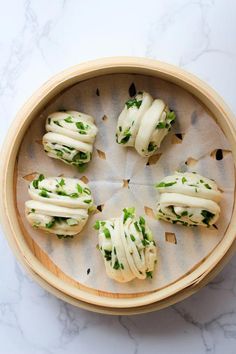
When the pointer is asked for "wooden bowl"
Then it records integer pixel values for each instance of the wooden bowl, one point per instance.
(38, 262)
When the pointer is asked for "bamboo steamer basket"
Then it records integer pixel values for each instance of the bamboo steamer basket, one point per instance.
(37, 261)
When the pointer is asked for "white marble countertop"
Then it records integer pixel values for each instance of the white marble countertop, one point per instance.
(38, 38)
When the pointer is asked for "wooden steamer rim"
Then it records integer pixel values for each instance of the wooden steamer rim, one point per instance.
(124, 311)
(35, 104)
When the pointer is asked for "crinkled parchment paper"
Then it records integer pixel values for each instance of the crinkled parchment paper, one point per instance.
(120, 178)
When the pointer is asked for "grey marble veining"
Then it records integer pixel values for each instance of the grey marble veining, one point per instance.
(40, 38)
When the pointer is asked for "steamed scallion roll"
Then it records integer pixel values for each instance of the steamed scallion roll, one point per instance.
(127, 246)
(60, 205)
(144, 123)
(188, 199)
(130, 118)
(154, 126)
(70, 137)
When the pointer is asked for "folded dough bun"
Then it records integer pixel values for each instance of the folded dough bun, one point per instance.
(144, 123)
(127, 246)
(188, 199)
(70, 137)
(60, 205)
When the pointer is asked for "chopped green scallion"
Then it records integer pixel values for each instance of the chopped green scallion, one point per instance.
(106, 232)
(96, 226)
(161, 125)
(68, 119)
(74, 195)
(128, 213)
(79, 188)
(151, 146)
(132, 238)
(133, 102)
(149, 274)
(44, 194)
(136, 225)
(62, 182)
(163, 184)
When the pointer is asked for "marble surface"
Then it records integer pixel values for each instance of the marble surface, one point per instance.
(40, 38)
